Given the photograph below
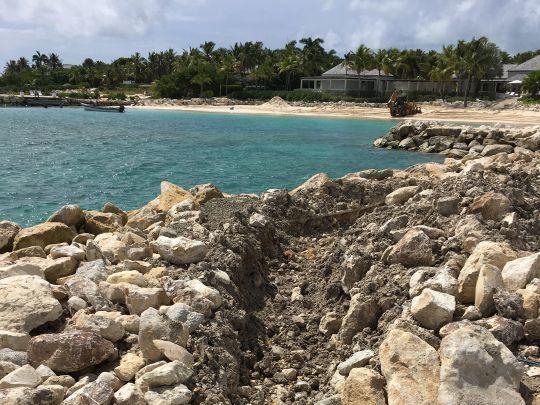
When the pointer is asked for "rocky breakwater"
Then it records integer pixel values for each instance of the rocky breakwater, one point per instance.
(461, 141)
(419, 286)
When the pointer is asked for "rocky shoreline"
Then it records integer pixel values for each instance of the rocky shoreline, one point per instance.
(416, 286)
(461, 141)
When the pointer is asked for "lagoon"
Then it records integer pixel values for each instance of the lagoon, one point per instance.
(51, 157)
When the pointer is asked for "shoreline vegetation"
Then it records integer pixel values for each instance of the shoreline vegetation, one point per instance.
(385, 285)
(250, 70)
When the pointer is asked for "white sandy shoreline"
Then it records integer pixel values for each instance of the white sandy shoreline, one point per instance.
(429, 113)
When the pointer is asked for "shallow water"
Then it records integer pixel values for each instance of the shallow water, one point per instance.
(51, 157)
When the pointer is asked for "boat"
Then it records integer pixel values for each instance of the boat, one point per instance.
(103, 108)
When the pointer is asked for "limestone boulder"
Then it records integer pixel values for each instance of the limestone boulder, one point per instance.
(129, 277)
(411, 368)
(489, 280)
(317, 182)
(490, 150)
(70, 215)
(20, 269)
(195, 293)
(413, 249)
(111, 247)
(139, 299)
(27, 302)
(97, 222)
(171, 373)
(25, 376)
(504, 330)
(362, 313)
(491, 205)
(205, 192)
(170, 195)
(432, 309)
(516, 274)
(401, 195)
(158, 326)
(68, 251)
(103, 326)
(98, 392)
(180, 250)
(531, 302)
(42, 235)
(486, 252)
(358, 359)
(477, 369)
(8, 231)
(175, 395)
(129, 394)
(111, 208)
(435, 278)
(130, 363)
(173, 352)
(53, 269)
(69, 351)
(363, 386)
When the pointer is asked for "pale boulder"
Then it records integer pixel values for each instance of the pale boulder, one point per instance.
(168, 395)
(27, 302)
(20, 269)
(105, 327)
(42, 235)
(25, 376)
(97, 222)
(477, 369)
(362, 313)
(130, 363)
(171, 373)
(68, 251)
(486, 252)
(432, 309)
(531, 301)
(411, 368)
(180, 250)
(138, 299)
(413, 249)
(489, 279)
(401, 195)
(8, 231)
(129, 394)
(363, 387)
(195, 293)
(314, 183)
(70, 215)
(173, 352)
(129, 277)
(518, 273)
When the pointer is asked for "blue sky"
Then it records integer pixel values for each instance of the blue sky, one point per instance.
(106, 29)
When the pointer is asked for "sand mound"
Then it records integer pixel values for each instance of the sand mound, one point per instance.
(276, 102)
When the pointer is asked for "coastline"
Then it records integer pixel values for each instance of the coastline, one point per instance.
(437, 113)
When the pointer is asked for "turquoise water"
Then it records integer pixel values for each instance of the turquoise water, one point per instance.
(51, 157)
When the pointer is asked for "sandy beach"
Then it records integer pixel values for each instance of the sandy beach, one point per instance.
(438, 113)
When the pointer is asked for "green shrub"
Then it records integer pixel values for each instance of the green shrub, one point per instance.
(117, 96)
(208, 94)
(531, 83)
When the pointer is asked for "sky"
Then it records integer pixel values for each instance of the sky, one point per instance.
(107, 29)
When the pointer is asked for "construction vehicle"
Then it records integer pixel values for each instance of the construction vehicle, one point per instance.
(400, 107)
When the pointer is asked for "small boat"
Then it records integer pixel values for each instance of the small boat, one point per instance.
(103, 108)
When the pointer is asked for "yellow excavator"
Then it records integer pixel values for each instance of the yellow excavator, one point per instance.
(400, 107)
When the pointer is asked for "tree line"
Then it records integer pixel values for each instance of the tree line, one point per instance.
(209, 70)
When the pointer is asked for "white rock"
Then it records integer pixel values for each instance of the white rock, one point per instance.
(477, 369)
(21, 269)
(171, 373)
(401, 195)
(518, 273)
(432, 308)
(128, 276)
(68, 251)
(489, 279)
(180, 250)
(358, 359)
(27, 302)
(173, 352)
(24, 376)
(177, 395)
(258, 220)
(14, 340)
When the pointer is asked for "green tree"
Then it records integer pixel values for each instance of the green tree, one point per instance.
(531, 83)
(54, 61)
(361, 61)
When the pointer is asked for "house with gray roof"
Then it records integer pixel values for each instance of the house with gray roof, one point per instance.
(342, 78)
(518, 72)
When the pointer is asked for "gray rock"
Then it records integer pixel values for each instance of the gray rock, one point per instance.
(358, 359)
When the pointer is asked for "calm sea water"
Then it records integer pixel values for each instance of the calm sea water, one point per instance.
(51, 157)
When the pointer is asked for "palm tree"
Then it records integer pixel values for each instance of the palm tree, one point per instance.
(138, 64)
(289, 65)
(379, 60)
(477, 59)
(227, 67)
(208, 49)
(11, 68)
(22, 64)
(313, 56)
(40, 60)
(54, 61)
(362, 60)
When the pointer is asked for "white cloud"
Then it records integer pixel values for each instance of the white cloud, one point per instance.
(83, 18)
(328, 5)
